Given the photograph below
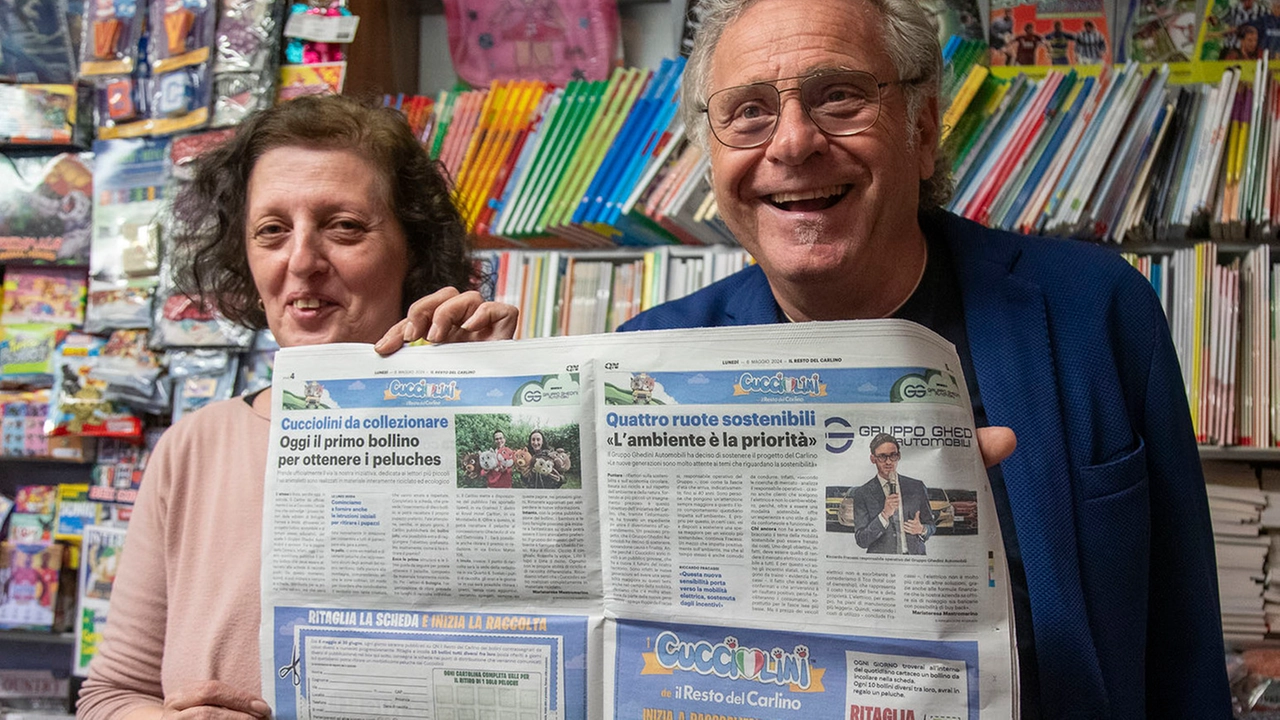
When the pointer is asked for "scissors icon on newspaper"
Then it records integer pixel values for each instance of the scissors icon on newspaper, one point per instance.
(292, 668)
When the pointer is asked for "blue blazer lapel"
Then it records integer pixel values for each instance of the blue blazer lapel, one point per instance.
(1009, 341)
(752, 303)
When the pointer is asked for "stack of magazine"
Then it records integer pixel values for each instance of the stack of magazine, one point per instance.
(595, 163)
(1122, 155)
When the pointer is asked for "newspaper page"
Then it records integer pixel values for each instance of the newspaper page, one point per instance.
(680, 524)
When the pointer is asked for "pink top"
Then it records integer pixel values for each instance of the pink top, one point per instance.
(185, 606)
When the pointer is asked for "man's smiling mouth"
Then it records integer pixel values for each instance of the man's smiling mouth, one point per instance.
(809, 200)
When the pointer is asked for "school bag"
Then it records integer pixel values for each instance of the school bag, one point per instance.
(550, 40)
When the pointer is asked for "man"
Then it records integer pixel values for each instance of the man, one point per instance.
(1112, 564)
(1091, 45)
(1060, 44)
(1027, 44)
(1269, 29)
(1233, 21)
(891, 512)
(1248, 49)
(500, 477)
(1000, 35)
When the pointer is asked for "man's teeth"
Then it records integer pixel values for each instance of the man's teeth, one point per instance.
(306, 303)
(809, 194)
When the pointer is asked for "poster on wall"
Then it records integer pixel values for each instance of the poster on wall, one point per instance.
(1162, 31)
(1240, 29)
(1055, 32)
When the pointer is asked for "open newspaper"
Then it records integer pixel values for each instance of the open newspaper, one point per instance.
(690, 525)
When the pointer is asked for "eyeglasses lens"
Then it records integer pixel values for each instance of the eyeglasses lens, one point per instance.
(843, 103)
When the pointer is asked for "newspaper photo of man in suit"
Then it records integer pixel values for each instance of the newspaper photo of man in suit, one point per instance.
(891, 512)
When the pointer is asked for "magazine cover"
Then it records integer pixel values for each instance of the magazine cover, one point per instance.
(37, 114)
(98, 564)
(35, 43)
(46, 209)
(1240, 29)
(28, 585)
(1162, 31)
(44, 295)
(1055, 32)
(956, 18)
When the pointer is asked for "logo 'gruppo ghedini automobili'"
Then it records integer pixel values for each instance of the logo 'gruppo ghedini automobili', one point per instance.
(931, 386)
(729, 660)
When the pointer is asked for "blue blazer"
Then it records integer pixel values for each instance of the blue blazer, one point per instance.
(1071, 349)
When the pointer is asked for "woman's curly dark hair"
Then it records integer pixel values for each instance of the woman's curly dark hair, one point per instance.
(209, 213)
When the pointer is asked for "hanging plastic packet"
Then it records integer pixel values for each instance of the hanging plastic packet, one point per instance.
(46, 209)
(182, 321)
(125, 306)
(199, 378)
(246, 36)
(185, 149)
(246, 45)
(130, 183)
(258, 364)
(110, 36)
(37, 114)
(318, 32)
(80, 403)
(28, 354)
(132, 179)
(145, 390)
(43, 295)
(124, 302)
(119, 101)
(36, 46)
(126, 361)
(181, 61)
(182, 33)
(180, 100)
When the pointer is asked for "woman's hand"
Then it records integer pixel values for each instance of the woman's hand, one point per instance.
(210, 699)
(447, 315)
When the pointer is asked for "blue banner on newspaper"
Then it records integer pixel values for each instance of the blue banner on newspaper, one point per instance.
(791, 385)
(333, 662)
(301, 393)
(699, 672)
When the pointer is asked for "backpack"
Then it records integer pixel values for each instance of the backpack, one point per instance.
(550, 40)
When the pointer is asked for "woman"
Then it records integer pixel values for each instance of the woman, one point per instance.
(542, 475)
(322, 219)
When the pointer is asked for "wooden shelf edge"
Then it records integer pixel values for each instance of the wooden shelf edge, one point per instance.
(37, 636)
(1240, 454)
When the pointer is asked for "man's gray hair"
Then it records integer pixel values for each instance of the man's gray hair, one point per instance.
(910, 39)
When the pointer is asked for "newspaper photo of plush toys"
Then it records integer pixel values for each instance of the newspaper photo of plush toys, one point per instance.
(504, 451)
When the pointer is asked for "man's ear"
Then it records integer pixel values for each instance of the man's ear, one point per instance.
(928, 131)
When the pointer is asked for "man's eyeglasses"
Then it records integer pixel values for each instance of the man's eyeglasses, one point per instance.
(840, 103)
(886, 457)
